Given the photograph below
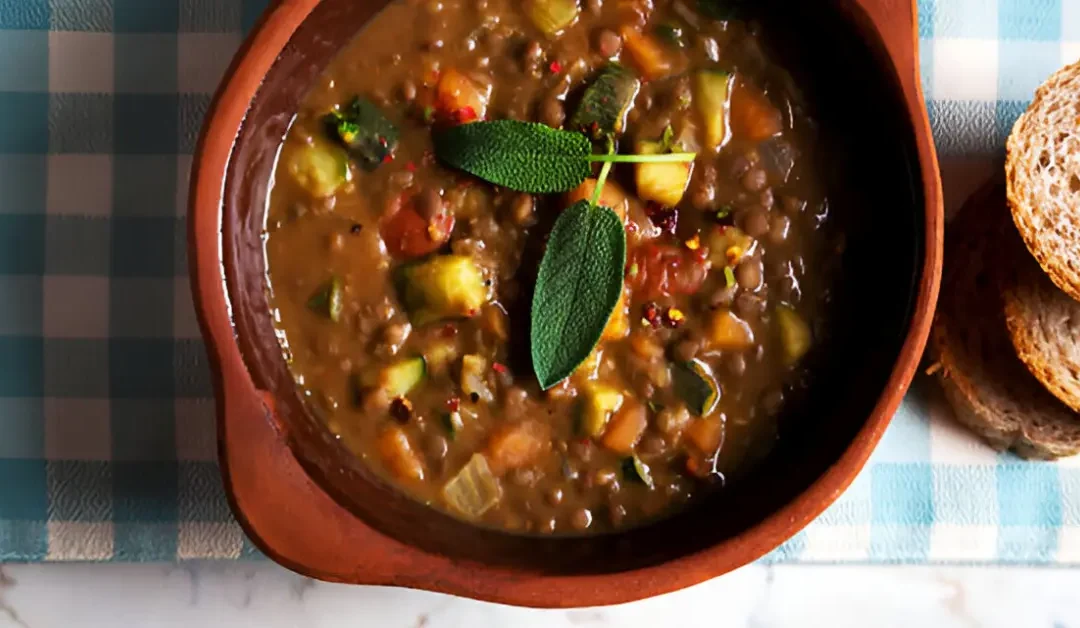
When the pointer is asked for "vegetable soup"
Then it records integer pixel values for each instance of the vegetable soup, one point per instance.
(552, 266)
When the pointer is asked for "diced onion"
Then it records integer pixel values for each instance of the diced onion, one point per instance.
(474, 490)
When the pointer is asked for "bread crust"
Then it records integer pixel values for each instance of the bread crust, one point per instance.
(1042, 171)
(1044, 326)
(990, 389)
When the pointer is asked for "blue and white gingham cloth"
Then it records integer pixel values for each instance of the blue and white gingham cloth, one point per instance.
(106, 418)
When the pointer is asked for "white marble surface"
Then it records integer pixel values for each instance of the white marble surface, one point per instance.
(267, 596)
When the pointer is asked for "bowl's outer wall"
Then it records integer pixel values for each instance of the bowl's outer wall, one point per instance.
(311, 506)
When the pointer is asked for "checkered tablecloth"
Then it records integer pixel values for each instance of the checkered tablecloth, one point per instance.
(106, 419)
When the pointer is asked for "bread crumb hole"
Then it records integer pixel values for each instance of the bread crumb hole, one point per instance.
(1074, 184)
(1044, 159)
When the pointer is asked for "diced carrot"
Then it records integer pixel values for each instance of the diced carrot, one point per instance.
(625, 428)
(459, 98)
(647, 55)
(729, 332)
(705, 434)
(398, 454)
(752, 116)
(518, 445)
(618, 324)
(611, 196)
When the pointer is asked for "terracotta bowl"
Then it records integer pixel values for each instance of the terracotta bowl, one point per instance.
(311, 506)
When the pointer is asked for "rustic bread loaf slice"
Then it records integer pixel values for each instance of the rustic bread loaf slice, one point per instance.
(1043, 175)
(987, 385)
(1043, 323)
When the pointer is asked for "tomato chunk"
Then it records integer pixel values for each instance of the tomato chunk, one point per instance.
(658, 270)
(407, 234)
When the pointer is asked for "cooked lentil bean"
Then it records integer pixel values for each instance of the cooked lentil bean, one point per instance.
(754, 180)
(552, 112)
(581, 519)
(608, 42)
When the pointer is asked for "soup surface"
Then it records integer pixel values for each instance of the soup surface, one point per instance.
(403, 287)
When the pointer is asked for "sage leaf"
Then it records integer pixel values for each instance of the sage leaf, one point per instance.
(523, 156)
(577, 288)
(528, 157)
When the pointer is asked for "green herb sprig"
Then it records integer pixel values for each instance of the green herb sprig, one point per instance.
(581, 273)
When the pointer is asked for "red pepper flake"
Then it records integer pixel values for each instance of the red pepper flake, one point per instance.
(499, 368)
(411, 167)
(555, 67)
(453, 404)
(449, 331)
(388, 158)
(471, 313)
(401, 409)
(382, 141)
(650, 315)
(463, 115)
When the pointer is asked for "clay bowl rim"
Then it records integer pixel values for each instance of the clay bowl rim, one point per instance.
(212, 300)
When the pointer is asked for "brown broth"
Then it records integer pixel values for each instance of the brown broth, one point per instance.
(311, 239)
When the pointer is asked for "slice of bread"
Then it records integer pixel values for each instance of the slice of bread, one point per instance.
(1043, 323)
(989, 388)
(1042, 170)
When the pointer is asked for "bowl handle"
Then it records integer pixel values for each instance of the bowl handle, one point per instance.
(281, 509)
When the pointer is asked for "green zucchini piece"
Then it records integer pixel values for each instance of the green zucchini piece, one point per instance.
(552, 16)
(319, 167)
(634, 470)
(663, 183)
(695, 385)
(606, 102)
(401, 377)
(441, 287)
(712, 91)
(362, 128)
(328, 299)
(795, 334)
(600, 402)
